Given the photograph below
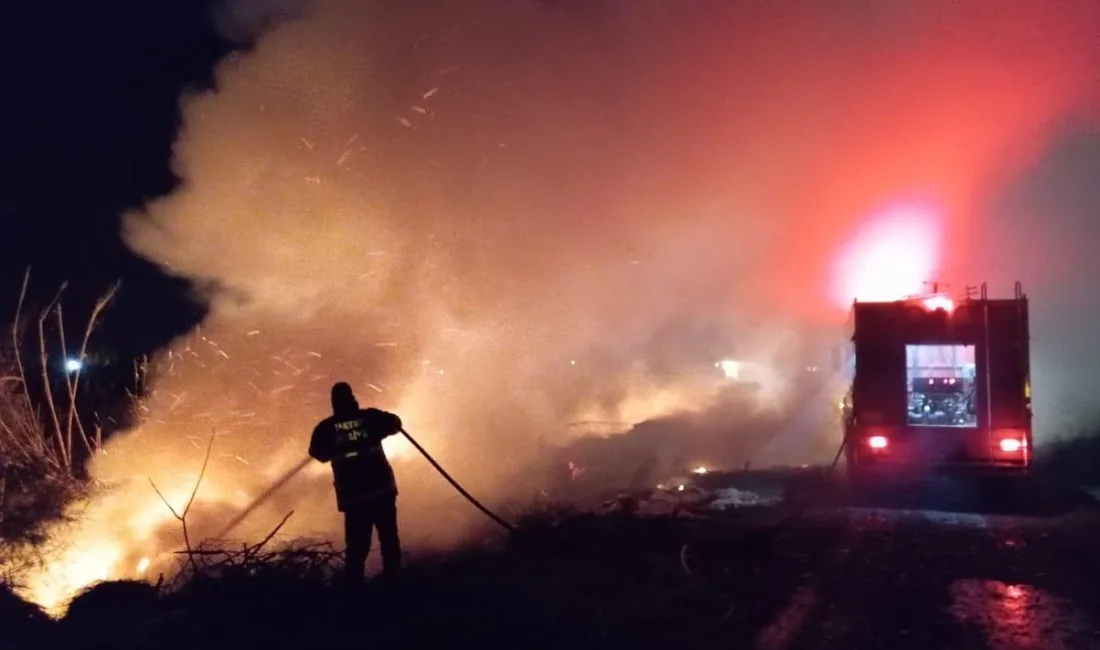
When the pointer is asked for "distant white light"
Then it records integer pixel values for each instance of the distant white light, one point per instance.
(73, 365)
(731, 369)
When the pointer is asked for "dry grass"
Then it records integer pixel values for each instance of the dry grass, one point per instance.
(579, 581)
(43, 440)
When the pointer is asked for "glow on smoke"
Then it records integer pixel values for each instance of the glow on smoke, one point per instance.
(894, 254)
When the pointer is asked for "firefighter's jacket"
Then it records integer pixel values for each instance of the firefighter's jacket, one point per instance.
(353, 444)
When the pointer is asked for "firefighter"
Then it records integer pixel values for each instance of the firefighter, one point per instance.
(366, 491)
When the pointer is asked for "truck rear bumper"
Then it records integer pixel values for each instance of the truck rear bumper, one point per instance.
(891, 468)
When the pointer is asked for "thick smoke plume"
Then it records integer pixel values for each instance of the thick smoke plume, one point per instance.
(503, 219)
(499, 218)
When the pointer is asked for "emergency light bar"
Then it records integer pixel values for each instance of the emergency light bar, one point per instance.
(936, 303)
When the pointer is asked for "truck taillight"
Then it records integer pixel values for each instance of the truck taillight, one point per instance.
(877, 442)
(1012, 445)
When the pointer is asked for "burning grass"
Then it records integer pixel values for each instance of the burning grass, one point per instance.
(260, 392)
(260, 395)
(43, 436)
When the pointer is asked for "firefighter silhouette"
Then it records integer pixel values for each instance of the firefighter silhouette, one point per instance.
(366, 490)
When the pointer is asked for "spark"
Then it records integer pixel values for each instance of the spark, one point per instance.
(418, 109)
(296, 369)
(406, 123)
(120, 529)
(307, 143)
(430, 93)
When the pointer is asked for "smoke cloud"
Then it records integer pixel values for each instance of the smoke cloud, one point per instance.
(504, 217)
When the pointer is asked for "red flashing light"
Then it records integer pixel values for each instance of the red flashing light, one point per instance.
(1012, 445)
(877, 442)
(935, 303)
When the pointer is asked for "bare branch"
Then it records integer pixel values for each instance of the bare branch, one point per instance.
(15, 440)
(66, 451)
(15, 340)
(166, 503)
(202, 472)
(182, 516)
(263, 542)
(24, 431)
(71, 383)
(100, 305)
(68, 378)
(183, 523)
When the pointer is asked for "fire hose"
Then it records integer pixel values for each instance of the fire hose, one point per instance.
(294, 471)
(455, 484)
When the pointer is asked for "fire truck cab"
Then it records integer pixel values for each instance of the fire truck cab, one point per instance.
(938, 383)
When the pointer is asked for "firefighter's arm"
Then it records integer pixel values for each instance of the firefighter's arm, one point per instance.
(383, 424)
(320, 444)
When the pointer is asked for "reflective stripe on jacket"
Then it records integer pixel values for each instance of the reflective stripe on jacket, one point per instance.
(353, 444)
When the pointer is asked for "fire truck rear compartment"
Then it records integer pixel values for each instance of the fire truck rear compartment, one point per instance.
(939, 385)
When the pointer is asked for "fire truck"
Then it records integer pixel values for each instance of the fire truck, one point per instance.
(938, 383)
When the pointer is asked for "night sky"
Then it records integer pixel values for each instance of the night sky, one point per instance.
(90, 112)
